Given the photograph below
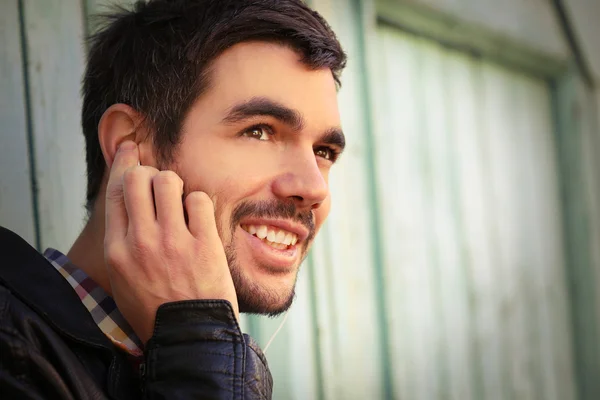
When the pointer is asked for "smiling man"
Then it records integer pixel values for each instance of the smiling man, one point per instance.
(211, 128)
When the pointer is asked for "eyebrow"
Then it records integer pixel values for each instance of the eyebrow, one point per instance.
(266, 107)
(262, 106)
(335, 137)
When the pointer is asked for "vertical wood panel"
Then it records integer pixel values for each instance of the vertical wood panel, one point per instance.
(590, 160)
(54, 32)
(429, 155)
(460, 98)
(16, 202)
(406, 260)
(577, 222)
(496, 106)
(396, 114)
(510, 169)
(556, 366)
(471, 112)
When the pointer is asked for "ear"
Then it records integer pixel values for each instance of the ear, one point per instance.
(119, 123)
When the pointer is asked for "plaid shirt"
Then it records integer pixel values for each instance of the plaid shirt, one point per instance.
(102, 307)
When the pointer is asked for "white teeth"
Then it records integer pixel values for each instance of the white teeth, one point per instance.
(261, 232)
(277, 238)
(280, 237)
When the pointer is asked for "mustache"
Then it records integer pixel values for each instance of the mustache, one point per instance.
(274, 209)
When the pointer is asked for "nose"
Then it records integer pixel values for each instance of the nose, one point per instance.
(302, 182)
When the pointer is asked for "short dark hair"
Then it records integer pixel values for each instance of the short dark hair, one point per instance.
(156, 58)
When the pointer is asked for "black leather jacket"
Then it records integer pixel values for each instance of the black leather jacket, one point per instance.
(50, 347)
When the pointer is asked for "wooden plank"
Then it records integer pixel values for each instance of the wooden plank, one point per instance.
(555, 357)
(16, 202)
(503, 153)
(437, 216)
(590, 154)
(54, 32)
(576, 220)
(476, 206)
(457, 148)
(531, 117)
(408, 291)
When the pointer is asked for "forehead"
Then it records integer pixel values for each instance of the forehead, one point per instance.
(274, 71)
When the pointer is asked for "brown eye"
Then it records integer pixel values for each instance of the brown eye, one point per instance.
(258, 132)
(324, 152)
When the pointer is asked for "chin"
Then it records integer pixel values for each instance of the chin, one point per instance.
(264, 281)
(262, 291)
(257, 300)
(252, 305)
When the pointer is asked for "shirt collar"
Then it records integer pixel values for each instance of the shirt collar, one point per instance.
(99, 304)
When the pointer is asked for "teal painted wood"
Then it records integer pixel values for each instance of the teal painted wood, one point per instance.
(473, 254)
(54, 33)
(16, 201)
(581, 225)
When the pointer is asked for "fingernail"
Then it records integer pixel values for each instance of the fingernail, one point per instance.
(126, 146)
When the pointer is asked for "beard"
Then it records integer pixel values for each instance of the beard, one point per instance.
(252, 297)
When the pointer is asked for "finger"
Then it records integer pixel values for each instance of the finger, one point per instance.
(168, 188)
(139, 199)
(115, 213)
(201, 214)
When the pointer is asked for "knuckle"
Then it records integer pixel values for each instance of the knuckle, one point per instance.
(114, 191)
(168, 178)
(113, 253)
(171, 247)
(198, 199)
(197, 248)
(132, 175)
(141, 247)
(151, 171)
(138, 173)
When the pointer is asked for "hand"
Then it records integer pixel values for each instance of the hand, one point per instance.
(151, 255)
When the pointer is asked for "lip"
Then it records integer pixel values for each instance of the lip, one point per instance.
(299, 230)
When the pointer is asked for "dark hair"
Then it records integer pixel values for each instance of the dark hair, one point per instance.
(156, 58)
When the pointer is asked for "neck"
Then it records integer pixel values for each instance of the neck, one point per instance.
(87, 253)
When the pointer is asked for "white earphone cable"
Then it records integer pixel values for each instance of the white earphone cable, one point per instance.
(276, 332)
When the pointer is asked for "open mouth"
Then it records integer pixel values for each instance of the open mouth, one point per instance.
(276, 238)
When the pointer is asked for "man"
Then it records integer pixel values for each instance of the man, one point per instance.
(210, 128)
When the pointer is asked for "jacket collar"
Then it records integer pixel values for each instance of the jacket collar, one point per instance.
(31, 278)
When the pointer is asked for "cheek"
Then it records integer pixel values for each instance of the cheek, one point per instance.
(322, 212)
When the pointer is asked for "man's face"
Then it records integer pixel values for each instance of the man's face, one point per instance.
(261, 142)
